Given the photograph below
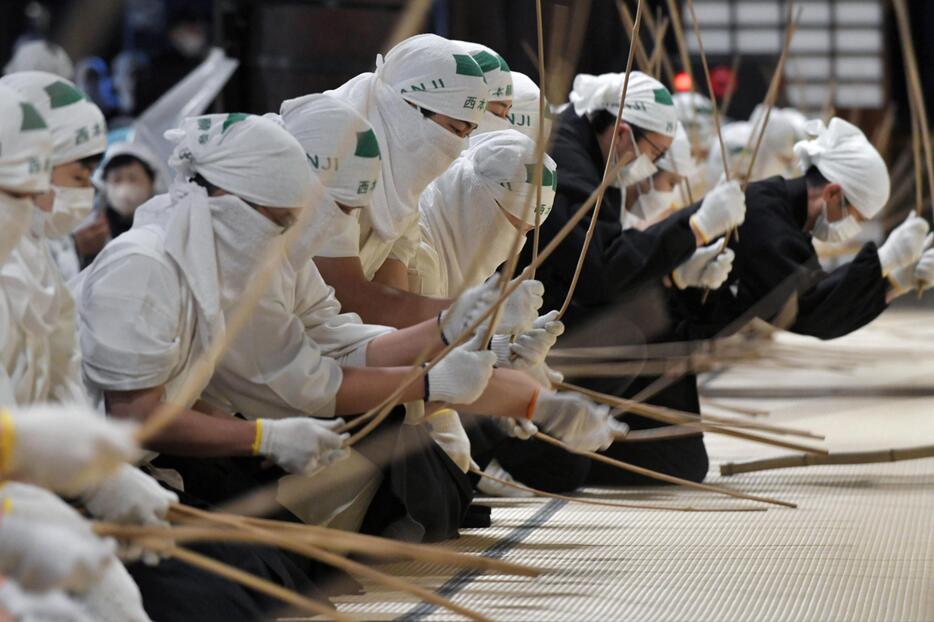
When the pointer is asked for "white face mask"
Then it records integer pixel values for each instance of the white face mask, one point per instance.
(449, 144)
(834, 232)
(492, 123)
(15, 220)
(124, 198)
(634, 172)
(70, 207)
(652, 203)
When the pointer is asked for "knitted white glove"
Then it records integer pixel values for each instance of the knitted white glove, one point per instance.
(708, 267)
(577, 421)
(520, 310)
(904, 245)
(924, 270)
(300, 445)
(51, 606)
(41, 556)
(723, 208)
(531, 347)
(115, 597)
(467, 308)
(461, 376)
(65, 448)
(523, 429)
(545, 376)
(448, 431)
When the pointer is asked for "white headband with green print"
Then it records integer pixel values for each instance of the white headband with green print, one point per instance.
(77, 124)
(648, 103)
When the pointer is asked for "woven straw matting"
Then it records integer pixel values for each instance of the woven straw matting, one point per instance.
(861, 546)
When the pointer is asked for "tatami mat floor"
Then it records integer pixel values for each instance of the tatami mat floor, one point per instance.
(860, 546)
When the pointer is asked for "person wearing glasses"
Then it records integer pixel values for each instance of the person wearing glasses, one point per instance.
(623, 265)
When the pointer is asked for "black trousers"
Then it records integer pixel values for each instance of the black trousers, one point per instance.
(553, 469)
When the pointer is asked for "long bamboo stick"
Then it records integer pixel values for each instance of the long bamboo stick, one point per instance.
(671, 479)
(641, 59)
(259, 280)
(666, 415)
(376, 415)
(855, 457)
(247, 580)
(910, 60)
(633, 45)
(536, 236)
(347, 565)
(713, 95)
(621, 505)
(344, 541)
(658, 52)
(651, 435)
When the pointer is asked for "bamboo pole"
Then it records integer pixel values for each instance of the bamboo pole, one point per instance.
(641, 59)
(346, 565)
(374, 546)
(742, 410)
(619, 505)
(651, 435)
(713, 95)
(671, 479)
(633, 45)
(658, 52)
(916, 93)
(259, 280)
(855, 457)
(247, 580)
(539, 163)
(376, 415)
(666, 415)
(728, 97)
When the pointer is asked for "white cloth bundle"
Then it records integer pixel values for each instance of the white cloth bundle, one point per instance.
(495, 70)
(648, 103)
(340, 144)
(77, 125)
(844, 156)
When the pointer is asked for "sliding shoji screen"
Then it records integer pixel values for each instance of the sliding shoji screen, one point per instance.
(837, 51)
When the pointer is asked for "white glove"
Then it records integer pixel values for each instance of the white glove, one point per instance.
(545, 376)
(924, 270)
(577, 421)
(51, 606)
(708, 267)
(67, 448)
(44, 556)
(461, 376)
(520, 310)
(531, 347)
(467, 308)
(300, 445)
(448, 431)
(115, 598)
(131, 497)
(522, 429)
(904, 245)
(723, 208)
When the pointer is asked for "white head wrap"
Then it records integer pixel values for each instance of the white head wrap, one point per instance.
(648, 103)
(41, 56)
(798, 122)
(697, 116)
(77, 125)
(505, 162)
(414, 149)
(25, 145)
(460, 211)
(678, 158)
(523, 115)
(844, 156)
(778, 142)
(139, 151)
(437, 75)
(340, 144)
(736, 137)
(246, 155)
(495, 70)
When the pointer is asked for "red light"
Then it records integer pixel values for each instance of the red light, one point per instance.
(682, 82)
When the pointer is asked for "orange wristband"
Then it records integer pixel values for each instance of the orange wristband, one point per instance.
(530, 409)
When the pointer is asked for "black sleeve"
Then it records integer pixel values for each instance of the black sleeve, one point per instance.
(844, 300)
(617, 260)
